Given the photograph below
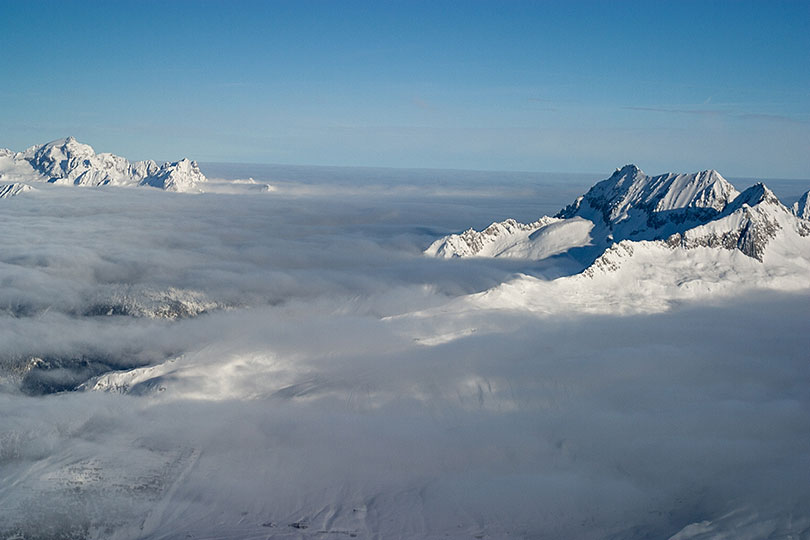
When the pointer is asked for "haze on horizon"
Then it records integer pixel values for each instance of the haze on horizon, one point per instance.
(542, 86)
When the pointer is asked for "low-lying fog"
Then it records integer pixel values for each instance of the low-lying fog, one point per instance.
(276, 397)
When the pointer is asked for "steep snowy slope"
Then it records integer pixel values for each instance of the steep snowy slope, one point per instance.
(632, 205)
(490, 242)
(10, 190)
(749, 223)
(509, 239)
(67, 161)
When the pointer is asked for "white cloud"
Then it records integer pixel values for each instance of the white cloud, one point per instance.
(291, 402)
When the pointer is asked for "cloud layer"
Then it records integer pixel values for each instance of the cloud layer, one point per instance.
(275, 399)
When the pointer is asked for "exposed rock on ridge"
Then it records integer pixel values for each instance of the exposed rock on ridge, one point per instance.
(472, 242)
(748, 223)
(10, 190)
(631, 205)
(682, 210)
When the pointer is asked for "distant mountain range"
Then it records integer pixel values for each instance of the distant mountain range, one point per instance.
(67, 161)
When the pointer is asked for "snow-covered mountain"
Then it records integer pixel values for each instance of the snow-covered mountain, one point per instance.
(682, 210)
(643, 243)
(748, 223)
(631, 205)
(67, 161)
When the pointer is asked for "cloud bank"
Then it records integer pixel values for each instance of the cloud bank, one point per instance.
(273, 395)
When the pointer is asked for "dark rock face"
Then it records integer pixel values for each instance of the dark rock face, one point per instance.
(801, 208)
(751, 238)
(751, 224)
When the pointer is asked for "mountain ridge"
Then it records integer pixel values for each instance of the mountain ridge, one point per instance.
(70, 162)
(635, 206)
(682, 210)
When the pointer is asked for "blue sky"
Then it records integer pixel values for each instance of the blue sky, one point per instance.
(502, 85)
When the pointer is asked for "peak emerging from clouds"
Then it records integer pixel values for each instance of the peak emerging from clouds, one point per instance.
(635, 205)
(68, 161)
(687, 210)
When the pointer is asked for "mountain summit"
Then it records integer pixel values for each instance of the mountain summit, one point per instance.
(631, 205)
(68, 161)
(680, 210)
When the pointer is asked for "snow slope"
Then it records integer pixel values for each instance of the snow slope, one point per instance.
(629, 278)
(494, 241)
(10, 190)
(749, 223)
(632, 205)
(67, 161)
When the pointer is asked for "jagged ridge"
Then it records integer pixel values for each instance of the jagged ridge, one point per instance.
(484, 243)
(748, 223)
(684, 210)
(631, 205)
(67, 161)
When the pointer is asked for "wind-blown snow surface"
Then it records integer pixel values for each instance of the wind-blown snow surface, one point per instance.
(289, 364)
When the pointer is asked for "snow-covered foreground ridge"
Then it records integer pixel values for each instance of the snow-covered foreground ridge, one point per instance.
(680, 210)
(67, 161)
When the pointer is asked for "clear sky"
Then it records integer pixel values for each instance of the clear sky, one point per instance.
(503, 85)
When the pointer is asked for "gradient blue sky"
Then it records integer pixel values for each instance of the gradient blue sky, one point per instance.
(504, 85)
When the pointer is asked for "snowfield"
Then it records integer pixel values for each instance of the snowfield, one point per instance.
(322, 353)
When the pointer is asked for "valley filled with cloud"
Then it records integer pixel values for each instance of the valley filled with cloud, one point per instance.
(287, 362)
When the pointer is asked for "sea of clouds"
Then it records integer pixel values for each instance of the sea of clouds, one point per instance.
(277, 395)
